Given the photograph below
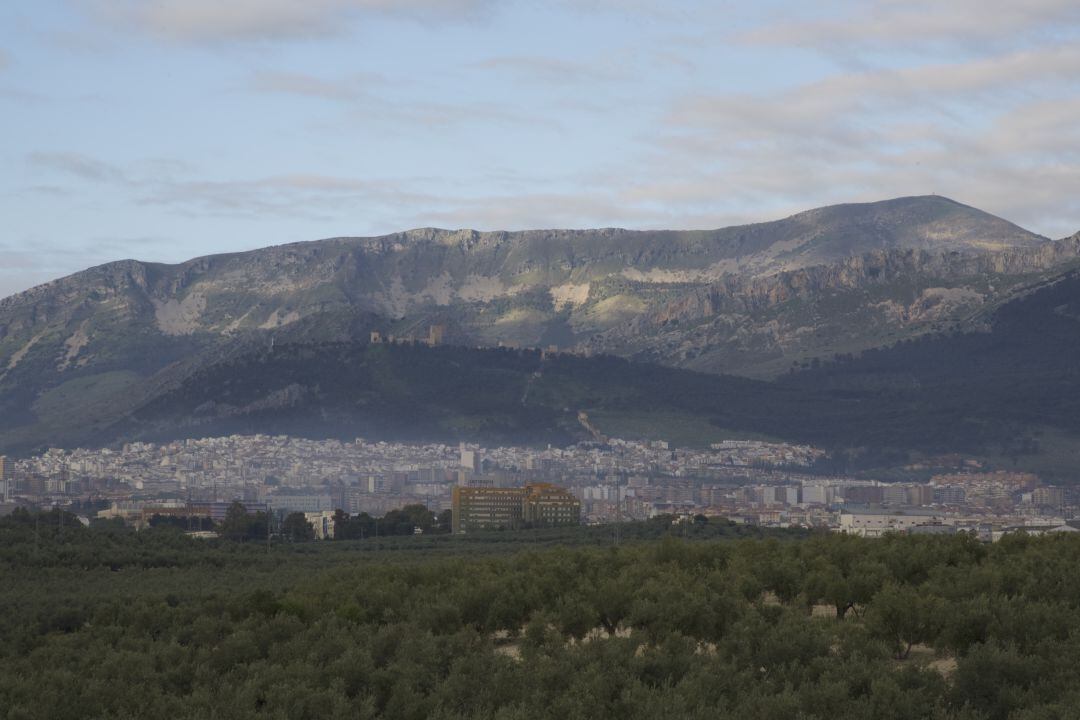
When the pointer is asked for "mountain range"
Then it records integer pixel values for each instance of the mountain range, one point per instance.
(84, 357)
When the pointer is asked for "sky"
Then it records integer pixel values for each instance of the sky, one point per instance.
(167, 129)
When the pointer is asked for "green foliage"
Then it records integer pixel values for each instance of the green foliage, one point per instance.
(123, 624)
(904, 615)
(296, 528)
(239, 525)
(403, 521)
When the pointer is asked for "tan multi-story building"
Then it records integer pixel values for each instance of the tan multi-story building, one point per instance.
(547, 505)
(491, 508)
(1048, 496)
(486, 508)
(7, 478)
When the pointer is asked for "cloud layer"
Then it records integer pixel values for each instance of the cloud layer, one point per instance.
(215, 20)
(913, 23)
(198, 125)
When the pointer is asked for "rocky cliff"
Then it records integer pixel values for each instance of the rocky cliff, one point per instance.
(750, 299)
(762, 326)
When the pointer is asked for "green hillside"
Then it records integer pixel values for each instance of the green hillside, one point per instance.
(413, 392)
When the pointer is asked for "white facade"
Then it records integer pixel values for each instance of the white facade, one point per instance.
(322, 523)
(877, 524)
(302, 503)
(816, 495)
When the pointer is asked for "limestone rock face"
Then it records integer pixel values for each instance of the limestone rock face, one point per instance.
(762, 325)
(749, 299)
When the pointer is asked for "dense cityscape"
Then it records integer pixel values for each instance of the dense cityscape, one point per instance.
(744, 481)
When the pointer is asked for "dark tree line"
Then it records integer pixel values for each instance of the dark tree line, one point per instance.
(404, 521)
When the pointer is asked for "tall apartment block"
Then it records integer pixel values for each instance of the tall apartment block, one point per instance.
(7, 478)
(491, 508)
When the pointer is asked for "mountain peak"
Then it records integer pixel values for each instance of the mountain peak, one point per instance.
(920, 222)
(121, 329)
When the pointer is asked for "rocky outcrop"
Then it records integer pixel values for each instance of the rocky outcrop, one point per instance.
(749, 294)
(721, 300)
(761, 325)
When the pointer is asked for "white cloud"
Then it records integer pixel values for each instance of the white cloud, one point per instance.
(363, 96)
(910, 23)
(988, 121)
(402, 202)
(998, 132)
(929, 86)
(299, 195)
(218, 20)
(81, 166)
(172, 185)
(349, 89)
(537, 210)
(555, 70)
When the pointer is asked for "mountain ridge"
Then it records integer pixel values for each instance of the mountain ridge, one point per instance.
(749, 299)
(402, 277)
(478, 238)
(1006, 395)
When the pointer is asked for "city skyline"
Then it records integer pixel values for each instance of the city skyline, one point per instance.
(747, 482)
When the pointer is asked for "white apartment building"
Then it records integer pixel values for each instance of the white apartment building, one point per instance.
(871, 523)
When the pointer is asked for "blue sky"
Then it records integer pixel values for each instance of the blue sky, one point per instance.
(166, 129)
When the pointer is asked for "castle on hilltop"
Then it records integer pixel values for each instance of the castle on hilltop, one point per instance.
(436, 336)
